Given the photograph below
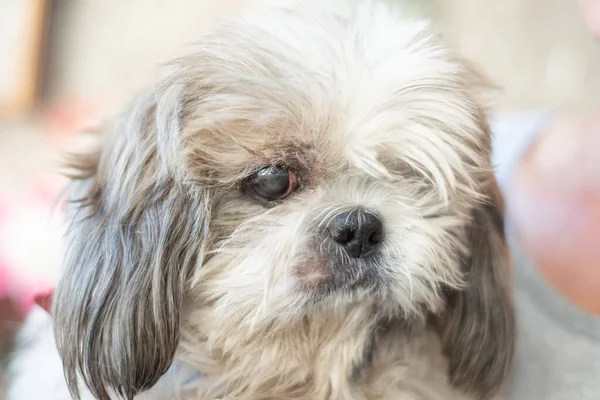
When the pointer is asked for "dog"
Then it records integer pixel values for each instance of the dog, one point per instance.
(302, 207)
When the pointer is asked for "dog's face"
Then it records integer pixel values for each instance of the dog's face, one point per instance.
(288, 164)
(341, 166)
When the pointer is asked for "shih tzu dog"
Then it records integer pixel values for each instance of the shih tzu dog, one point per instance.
(303, 207)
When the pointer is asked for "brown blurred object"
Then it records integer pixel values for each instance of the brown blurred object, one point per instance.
(23, 26)
(11, 317)
(555, 204)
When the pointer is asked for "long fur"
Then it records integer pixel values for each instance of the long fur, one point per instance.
(169, 258)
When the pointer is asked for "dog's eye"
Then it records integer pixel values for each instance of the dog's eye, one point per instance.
(275, 182)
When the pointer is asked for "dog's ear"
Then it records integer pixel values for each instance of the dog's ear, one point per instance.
(478, 328)
(137, 230)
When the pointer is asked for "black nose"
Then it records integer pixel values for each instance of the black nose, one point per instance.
(358, 231)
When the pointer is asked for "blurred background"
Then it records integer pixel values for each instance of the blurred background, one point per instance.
(65, 62)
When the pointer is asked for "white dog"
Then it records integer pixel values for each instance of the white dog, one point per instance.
(303, 208)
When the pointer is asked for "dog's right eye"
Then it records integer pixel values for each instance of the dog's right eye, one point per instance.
(275, 182)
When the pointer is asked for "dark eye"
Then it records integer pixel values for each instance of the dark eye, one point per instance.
(274, 182)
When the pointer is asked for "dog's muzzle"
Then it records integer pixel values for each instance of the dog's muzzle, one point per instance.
(348, 254)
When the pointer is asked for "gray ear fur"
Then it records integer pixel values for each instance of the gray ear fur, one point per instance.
(136, 233)
(478, 329)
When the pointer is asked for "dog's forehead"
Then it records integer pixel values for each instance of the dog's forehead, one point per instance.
(329, 92)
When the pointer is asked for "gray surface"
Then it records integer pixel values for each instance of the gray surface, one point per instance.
(558, 348)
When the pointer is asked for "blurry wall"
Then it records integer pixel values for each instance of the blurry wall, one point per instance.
(103, 51)
(536, 50)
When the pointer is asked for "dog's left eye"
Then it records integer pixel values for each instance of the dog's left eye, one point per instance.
(274, 182)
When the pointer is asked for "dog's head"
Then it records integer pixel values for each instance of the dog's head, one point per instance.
(288, 162)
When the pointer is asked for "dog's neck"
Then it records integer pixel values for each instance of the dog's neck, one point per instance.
(323, 355)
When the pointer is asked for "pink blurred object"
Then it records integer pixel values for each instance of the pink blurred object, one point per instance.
(70, 118)
(31, 230)
(31, 224)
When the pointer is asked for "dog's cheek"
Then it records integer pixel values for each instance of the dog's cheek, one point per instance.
(250, 269)
(422, 250)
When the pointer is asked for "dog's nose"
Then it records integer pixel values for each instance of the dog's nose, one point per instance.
(358, 231)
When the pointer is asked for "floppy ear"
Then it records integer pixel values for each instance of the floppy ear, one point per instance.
(136, 232)
(478, 328)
